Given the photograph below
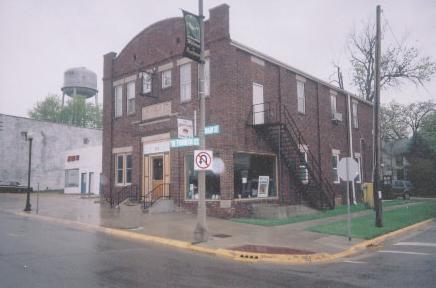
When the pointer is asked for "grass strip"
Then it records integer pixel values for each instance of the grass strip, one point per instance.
(329, 213)
(364, 227)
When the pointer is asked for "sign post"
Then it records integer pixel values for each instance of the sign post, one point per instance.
(348, 169)
(194, 49)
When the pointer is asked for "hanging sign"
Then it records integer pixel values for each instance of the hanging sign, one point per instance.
(185, 128)
(203, 160)
(192, 36)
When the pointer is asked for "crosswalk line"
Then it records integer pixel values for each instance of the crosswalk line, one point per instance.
(423, 244)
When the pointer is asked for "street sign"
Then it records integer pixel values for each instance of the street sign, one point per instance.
(212, 129)
(348, 172)
(203, 160)
(192, 36)
(184, 142)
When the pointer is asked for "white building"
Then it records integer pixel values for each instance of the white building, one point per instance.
(83, 170)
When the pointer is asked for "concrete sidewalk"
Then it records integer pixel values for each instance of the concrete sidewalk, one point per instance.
(180, 225)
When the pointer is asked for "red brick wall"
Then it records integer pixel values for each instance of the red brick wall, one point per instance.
(232, 74)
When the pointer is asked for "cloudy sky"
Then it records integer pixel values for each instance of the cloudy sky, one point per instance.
(40, 39)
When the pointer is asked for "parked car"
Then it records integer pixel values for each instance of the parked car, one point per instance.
(398, 188)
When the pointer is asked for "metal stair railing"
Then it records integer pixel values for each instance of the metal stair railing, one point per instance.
(127, 192)
(161, 191)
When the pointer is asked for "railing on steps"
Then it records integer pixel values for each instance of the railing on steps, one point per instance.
(271, 119)
(127, 192)
(161, 191)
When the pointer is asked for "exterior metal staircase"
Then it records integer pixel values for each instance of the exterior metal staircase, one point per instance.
(274, 124)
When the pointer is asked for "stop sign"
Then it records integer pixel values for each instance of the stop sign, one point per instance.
(352, 171)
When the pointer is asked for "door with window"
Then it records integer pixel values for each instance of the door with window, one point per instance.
(156, 176)
(83, 183)
(258, 105)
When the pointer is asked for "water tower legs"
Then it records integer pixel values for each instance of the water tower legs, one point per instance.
(63, 98)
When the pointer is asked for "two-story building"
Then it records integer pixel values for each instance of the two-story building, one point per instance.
(277, 133)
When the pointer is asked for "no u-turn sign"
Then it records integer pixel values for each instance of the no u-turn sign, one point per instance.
(203, 160)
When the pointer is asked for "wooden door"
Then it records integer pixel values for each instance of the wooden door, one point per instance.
(157, 176)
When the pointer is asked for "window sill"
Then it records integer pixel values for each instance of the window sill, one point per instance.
(256, 198)
(165, 88)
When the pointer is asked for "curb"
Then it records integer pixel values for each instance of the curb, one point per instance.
(232, 254)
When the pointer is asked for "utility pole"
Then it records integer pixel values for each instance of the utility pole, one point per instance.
(377, 192)
(201, 231)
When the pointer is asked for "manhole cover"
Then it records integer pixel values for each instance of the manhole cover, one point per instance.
(221, 235)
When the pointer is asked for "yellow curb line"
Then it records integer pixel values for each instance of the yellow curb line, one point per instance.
(233, 254)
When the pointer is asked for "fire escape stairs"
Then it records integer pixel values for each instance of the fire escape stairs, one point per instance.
(274, 124)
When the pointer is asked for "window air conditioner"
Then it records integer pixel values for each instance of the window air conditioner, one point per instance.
(337, 117)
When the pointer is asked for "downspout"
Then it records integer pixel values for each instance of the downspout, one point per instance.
(350, 142)
(282, 198)
(319, 144)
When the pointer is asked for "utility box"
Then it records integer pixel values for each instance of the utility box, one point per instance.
(368, 196)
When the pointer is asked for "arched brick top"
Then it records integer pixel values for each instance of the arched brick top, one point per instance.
(158, 42)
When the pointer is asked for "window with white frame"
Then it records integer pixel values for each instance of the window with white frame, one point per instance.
(335, 162)
(72, 178)
(118, 101)
(303, 171)
(301, 97)
(185, 82)
(146, 83)
(333, 104)
(131, 97)
(123, 169)
(206, 86)
(166, 79)
(359, 162)
(354, 115)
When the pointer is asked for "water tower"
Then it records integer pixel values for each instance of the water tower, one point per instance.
(80, 82)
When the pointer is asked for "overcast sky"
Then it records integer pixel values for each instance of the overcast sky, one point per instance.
(40, 39)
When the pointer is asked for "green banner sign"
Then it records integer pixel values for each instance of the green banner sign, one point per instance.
(192, 36)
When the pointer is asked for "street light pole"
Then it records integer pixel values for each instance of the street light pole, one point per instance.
(28, 207)
(201, 231)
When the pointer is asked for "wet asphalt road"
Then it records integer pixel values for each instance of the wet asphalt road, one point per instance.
(34, 253)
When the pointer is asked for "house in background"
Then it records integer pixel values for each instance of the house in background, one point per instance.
(394, 162)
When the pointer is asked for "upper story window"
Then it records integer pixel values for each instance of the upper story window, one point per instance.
(131, 97)
(333, 104)
(185, 82)
(146, 83)
(301, 97)
(206, 86)
(118, 101)
(355, 119)
(166, 79)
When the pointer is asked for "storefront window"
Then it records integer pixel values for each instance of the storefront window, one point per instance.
(254, 175)
(191, 180)
(72, 178)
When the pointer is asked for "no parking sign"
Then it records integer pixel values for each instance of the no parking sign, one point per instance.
(203, 160)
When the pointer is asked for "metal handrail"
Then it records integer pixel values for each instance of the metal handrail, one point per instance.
(150, 198)
(127, 192)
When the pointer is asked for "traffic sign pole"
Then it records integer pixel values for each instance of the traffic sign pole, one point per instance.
(348, 204)
(201, 231)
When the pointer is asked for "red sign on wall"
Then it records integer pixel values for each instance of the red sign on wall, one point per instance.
(73, 158)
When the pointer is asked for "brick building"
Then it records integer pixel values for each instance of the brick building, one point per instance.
(281, 130)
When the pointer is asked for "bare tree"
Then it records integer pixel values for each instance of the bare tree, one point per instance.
(414, 114)
(391, 122)
(399, 64)
(398, 121)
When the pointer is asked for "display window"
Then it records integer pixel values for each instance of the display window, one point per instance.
(191, 181)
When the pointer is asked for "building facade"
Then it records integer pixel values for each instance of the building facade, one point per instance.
(277, 133)
(83, 171)
(50, 141)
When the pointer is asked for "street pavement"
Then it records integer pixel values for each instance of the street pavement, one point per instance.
(180, 225)
(36, 253)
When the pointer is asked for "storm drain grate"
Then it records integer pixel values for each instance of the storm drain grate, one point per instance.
(222, 235)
